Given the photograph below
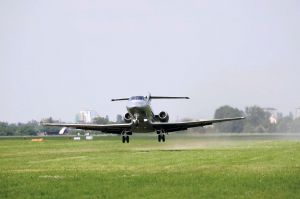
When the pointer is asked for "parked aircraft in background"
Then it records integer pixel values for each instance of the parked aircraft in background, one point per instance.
(141, 119)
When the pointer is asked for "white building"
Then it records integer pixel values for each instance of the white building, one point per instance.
(86, 116)
(274, 115)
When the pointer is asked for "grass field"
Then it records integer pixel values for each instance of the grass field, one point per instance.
(183, 167)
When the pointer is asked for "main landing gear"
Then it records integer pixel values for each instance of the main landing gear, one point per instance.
(125, 137)
(161, 137)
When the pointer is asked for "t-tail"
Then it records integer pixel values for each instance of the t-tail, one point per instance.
(149, 97)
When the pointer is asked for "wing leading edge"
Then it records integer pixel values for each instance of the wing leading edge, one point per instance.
(119, 128)
(105, 128)
(179, 126)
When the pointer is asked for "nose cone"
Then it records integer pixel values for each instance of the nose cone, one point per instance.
(137, 108)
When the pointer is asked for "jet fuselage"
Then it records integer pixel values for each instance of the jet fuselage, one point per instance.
(139, 107)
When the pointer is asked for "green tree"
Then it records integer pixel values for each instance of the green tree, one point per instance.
(101, 120)
(284, 124)
(119, 119)
(7, 129)
(48, 128)
(257, 120)
(226, 112)
(295, 126)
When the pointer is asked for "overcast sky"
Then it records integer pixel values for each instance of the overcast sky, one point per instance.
(60, 57)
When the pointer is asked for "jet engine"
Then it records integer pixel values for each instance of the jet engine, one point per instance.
(163, 116)
(127, 118)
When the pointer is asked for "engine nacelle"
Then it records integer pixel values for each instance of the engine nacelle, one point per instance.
(127, 118)
(163, 116)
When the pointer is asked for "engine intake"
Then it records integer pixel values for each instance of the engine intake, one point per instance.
(127, 118)
(163, 116)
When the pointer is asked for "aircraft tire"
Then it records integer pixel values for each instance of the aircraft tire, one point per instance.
(127, 139)
(163, 137)
(159, 138)
(123, 138)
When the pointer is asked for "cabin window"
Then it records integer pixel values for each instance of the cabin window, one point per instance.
(137, 98)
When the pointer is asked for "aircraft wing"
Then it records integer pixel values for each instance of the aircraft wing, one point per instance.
(105, 128)
(179, 126)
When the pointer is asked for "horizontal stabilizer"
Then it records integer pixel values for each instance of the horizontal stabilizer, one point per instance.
(164, 97)
(121, 99)
(151, 97)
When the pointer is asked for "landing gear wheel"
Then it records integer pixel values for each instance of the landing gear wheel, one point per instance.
(163, 137)
(159, 138)
(123, 138)
(127, 139)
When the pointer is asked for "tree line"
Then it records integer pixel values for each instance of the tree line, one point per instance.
(257, 121)
(30, 128)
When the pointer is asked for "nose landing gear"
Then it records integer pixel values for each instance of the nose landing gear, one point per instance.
(125, 137)
(161, 137)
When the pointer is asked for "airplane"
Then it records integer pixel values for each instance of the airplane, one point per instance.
(141, 119)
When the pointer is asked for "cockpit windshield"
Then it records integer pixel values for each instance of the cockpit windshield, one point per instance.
(137, 98)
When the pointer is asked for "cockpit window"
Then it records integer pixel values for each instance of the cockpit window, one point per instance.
(137, 98)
